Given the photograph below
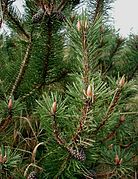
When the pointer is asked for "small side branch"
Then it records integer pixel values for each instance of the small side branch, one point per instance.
(82, 120)
(19, 26)
(110, 109)
(98, 8)
(85, 59)
(85, 54)
(62, 5)
(4, 123)
(113, 132)
(22, 68)
(61, 76)
(59, 140)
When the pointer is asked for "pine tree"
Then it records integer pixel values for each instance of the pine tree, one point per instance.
(68, 97)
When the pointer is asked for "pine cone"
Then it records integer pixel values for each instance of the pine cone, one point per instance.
(38, 16)
(32, 175)
(60, 16)
(79, 155)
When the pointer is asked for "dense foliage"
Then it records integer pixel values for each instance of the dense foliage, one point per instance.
(68, 92)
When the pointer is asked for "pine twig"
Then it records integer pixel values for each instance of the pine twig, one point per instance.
(85, 55)
(4, 123)
(100, 175)
(59, 140)
(62, 75)
(48, 50)
(31, 92)
(113, 53)
(98, 9)
(87, 102)
(79, 155)
(110, 109)
(113, 132)
(82, 120)
(62, 5)
(20, 27)
(22, 68)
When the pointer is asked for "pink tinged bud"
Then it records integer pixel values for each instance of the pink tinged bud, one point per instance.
(120, 161)
(122, 118)
(78, 25)
(10, 104)
(122, 81)
(116, 159)
(4, 159)
(54, 107)
(89, 91)
(110, 146)
(1, 159)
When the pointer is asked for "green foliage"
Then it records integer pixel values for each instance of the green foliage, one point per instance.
(68, 94)
(8, 162)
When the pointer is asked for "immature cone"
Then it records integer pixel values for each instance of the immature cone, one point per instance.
(117, 160)
(38, 16)
(3, 159)
(79, 155)
(32, 175)
(78, 25)
(10, 104)
(89, 91)
(54, 107)
(122, 118)
(122, 81)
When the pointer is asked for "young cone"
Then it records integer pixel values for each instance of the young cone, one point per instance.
(54, 107)
(10, 104)
(78, 25)
(89, 91)
(122, 81)
(32, 175)
(122, 118)
(117, 159)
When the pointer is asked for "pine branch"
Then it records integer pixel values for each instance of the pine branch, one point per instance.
(113, 132)
(130, 77)
(4, 123)
(63, 166)
(79, 155)
(82, 120)
(62, 5)
(113, 53)
(18, 24)
(22, 68)
(48, 49)
(100, 175)
(85, 55)
(61, 76)
(59, 140)
(87, 101)
(98, 9)
(110, 109)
